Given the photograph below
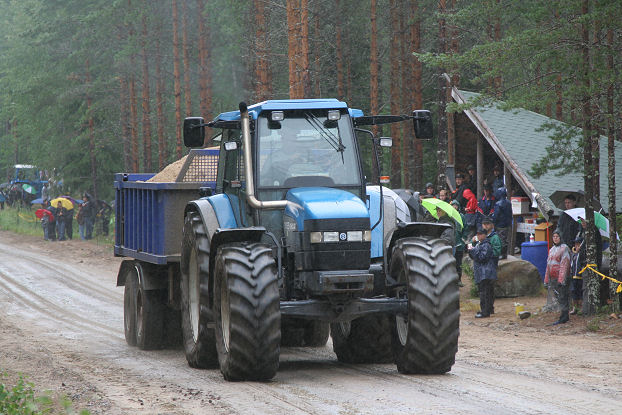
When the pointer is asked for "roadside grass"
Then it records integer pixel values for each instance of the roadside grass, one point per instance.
(21, 399)
(23, 221)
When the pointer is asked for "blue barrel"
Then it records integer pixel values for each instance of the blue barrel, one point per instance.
(536, 253)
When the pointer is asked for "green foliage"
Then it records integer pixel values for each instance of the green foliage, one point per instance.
(20, 220)
(21, 399)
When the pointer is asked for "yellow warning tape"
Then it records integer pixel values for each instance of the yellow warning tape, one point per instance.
(593, 266)
(27, 218)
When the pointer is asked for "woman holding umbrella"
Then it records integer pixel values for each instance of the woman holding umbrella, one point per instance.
(557, 275)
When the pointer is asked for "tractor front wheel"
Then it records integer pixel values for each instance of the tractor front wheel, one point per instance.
(426, 339)
(247, 312)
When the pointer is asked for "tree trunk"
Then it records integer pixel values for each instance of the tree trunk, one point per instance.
(205, 102)
(591, 283)
(293, 21)
(373, 71)
(317, 78)
(125, 128)
(407, 95)
(146, 98)
(161, 119)
(89, 105)
(416, 150)
(134, 122)
(611, 164)
(177, 82)
(262, 67)
(305, 80)
(339, 52)
(395, 90)
(441, 152)
(186, 51)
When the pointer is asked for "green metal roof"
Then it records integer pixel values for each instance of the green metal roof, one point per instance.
(521, 134)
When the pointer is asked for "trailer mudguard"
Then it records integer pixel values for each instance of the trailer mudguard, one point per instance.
(150, 276)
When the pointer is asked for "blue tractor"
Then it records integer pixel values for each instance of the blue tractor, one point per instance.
(292, 244)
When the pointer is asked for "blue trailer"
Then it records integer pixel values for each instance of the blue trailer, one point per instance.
(285, 243)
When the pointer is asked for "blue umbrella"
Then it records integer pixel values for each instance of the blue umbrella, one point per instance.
(39, 200)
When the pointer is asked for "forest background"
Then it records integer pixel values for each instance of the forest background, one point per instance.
(89, 88)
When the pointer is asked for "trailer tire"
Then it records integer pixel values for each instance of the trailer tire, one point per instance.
(426, 341)
(196, 317)
(129, 307)
(149, 318)
(364, 340)
(247, 312)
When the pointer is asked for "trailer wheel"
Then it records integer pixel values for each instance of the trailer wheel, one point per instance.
(247, 312)
(426, 340)
(149, 318)
(196, 318)
(364, 340)
(129, 307)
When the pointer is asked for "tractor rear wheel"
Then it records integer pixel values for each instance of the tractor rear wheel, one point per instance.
(426, 340)
(364, 340)
(247, 312)
(196, 318)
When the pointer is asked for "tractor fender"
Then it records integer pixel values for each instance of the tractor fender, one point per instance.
(410, 229)
(217, 216)
(150, 276)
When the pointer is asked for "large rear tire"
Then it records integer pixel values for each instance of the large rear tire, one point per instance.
(364, 340)
(149, 318)
(426, 340)
(247, 312)
(196, 318)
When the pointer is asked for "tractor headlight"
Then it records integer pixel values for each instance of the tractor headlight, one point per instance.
(355, 236)
(367, 236)
(331, 236)
(316, 237)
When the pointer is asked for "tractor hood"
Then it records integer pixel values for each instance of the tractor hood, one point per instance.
(317, 203)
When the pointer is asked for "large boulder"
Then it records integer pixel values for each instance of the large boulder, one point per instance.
(517, 278)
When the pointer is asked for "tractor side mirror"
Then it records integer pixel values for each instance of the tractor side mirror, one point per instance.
(194, 132)
(422, 123)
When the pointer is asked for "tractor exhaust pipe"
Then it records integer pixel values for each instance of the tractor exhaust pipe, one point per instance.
(248, 167)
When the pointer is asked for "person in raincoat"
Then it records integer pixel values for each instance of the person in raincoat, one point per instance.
(459, 243)
(484, 272)
(557, 275)
(89, 211)
(471, 213)
(502, 219)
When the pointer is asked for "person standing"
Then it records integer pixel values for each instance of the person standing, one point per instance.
(89, 212)
(492, 236)
(497, 182)
(61, 220)
(502, 219)
(459, 242)
(429, 191)
(458, 193)
(471, 183)
(557, 275)
(471, 213)
(484, 272)
(577, 262)
(568, 228)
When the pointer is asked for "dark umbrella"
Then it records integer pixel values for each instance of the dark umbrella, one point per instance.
(558, 196)
(412, 200)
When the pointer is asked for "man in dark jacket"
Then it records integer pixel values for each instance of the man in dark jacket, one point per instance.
(567, 227)
(497, 182)
(89, 211)
(502, 219)
(484, 271)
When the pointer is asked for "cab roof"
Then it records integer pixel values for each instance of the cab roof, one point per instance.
(289, 104)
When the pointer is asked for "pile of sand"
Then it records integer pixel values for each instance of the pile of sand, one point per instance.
(170, 172)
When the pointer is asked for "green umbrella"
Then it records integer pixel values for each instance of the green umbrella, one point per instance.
(432, 203)
(29, 189)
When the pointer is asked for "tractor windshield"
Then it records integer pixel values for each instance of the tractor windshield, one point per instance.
(304, 149)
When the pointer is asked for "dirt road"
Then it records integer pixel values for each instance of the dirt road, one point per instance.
(61, 324)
